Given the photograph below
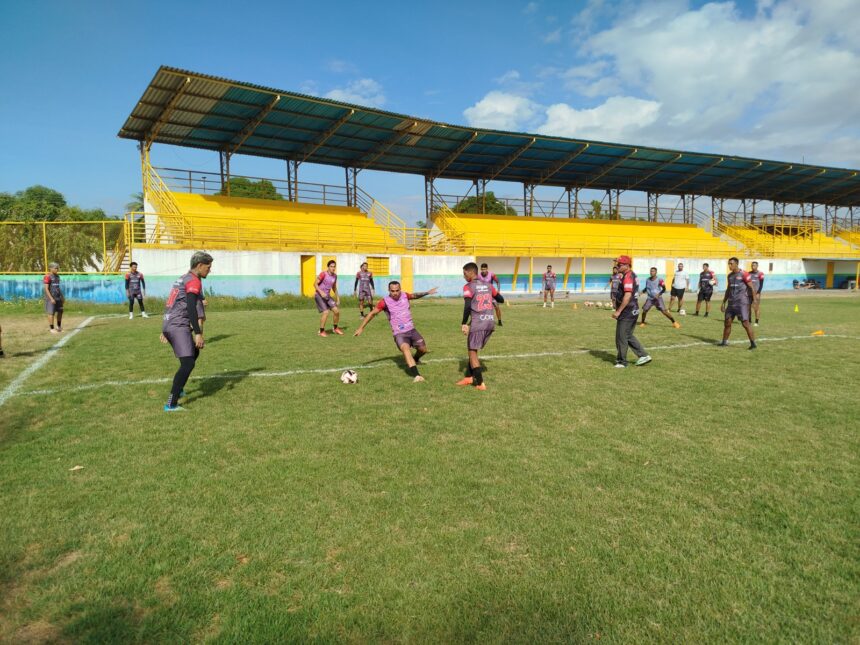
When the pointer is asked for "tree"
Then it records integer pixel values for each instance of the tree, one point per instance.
(136, 203)
(35, 203)
(420, 224)
(243, 187)
(489, 204)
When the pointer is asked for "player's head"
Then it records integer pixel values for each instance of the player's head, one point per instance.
(705, 266)
(330, 266)
(624, 262)
(394, 289)
(549, 267)
(201, 263)
(470, 270)
(53, 267)
(680, 266)
(484, 268)
(754, 266)
(733, 264)
(363, 266)
(133, 266)
(653, 272)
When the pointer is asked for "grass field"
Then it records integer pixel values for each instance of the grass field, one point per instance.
(710, 496)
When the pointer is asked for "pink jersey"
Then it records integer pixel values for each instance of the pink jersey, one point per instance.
(487, 278)
(327, 281)
(398, 311)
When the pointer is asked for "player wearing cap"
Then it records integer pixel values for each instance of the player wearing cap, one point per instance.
(54, 298)
(363, 288)
(655, 288)
(485, 275)
(135, 289)
(549, 286)
(406, 337)
(680, 284)
(707, 282)
(757, 278)
(736, 302)
(478, 322)
(325, 285)
(180, 320)
(626, 314)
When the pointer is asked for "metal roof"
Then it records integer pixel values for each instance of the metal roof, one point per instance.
(195, 110)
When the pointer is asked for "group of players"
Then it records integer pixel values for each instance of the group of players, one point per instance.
(182, 325)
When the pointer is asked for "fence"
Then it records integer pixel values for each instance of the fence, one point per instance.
(79, 247)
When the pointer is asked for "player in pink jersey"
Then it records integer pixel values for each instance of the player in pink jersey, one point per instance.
(485, 275)
(478, 322)
(324, 286)
(396, 306)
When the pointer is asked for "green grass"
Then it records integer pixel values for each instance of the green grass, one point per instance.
(710, 496)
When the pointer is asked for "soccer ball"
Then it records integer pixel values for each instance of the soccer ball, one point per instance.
(713, 282)
(683, 312)
(349, 377)
(607, 305)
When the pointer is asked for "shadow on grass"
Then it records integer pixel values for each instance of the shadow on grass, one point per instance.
(603, 355)
(710, 340)
(213, 384)
(215, 339)
(32, 352)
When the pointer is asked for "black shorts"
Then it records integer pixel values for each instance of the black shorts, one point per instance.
(411, 338)
(677, 293)
(741, 312)
(365, 295)
(654, 302)
(324, 304)
(704, 295)
(182, 342)
(478, 339)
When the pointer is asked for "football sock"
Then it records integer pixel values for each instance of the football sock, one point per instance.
(469, 371)
(186, 366)
(322, 329)
(478, 373)
(413, 371)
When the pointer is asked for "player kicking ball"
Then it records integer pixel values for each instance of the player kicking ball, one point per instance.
(736, 302)
(478, 322)
(655, 288)
(406, 337)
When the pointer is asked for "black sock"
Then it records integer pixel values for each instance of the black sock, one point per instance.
(478, 374)
(417, 358)
(469, 371)
(672, 319)
(322, 329)
(52, 325)
(186, 366)
(413, 371)
(334, 326)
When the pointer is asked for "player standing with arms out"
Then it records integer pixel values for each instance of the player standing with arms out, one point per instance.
(135, 289)
(680, 284)
(739, 294)
(485, 275)
(549, 286)
(626, 314)
(364, 288)
(478, 322)
(324, 285)
(757, 278)
(54, 298)
(396, 306)
(655, 288)
(615, 286)
(180, 319)
(707, 282)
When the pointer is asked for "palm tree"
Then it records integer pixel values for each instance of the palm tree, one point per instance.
(136, 203)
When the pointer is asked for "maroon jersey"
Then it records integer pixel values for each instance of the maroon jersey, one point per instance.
(134, 282)
(482, 316)
(757, 280)
(737, 286)
(629, 284)
(175, 312)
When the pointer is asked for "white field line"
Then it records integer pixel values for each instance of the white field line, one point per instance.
(447, 359)
(13, 387)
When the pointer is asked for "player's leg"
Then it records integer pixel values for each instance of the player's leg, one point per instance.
(130, 307)
(323, 318)
(142, 308)
(757, 307)
(477, 371)
(60, 317)
(727, 326)
(411, 365)
(498, 313)
(183, 348)
(745, 321)
(621, 336)
(544, 297)
(335, 319)
(637, 348)
(645, 309)
(707, 305)
(680, 301)
(552, 298)
(699, 299)
(661, 307)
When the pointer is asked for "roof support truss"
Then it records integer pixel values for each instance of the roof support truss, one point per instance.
(768, 176)
(313, 146)
(453, 156)
(661, 167)
(799, 183)
(609, 168)
(495, 172)
(687, 180)
(708, 190)
(838, 182)
(550, 172)
(252, 125)
(155, 128)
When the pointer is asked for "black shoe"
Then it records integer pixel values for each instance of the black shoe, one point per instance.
(725, 343)
(697, 313)
(752, 346)
(2, 354)
(706, 315)
(500, 323)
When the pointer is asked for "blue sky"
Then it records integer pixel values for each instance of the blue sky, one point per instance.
(773, 78)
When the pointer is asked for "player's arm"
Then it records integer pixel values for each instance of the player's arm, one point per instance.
(663, 287)
(191, 299)
(760, 282)
(467, 313)
(366, 320)
(421, 294)
(127, 286)
(372, 285)
(317, 282)
(355, 286)
(497, 281)
(142, 285)
(628, 296)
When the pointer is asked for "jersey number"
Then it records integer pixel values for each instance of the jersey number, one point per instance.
(172, 297)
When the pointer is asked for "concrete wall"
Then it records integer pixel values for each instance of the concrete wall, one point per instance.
(252, 273)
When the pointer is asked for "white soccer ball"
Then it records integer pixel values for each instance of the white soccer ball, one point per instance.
(683, 312)
(349, 377)
(607, 305)
(713, 282)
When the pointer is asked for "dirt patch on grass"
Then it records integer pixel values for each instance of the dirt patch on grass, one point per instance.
(39, 632)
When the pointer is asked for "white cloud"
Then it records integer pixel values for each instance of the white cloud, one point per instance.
(340, 66)
(508, 77)
(364, 91)
(531, 7)
(502, 111)
(614, 120)
(552, 37)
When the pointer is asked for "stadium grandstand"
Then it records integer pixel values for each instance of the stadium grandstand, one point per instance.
(798, 218)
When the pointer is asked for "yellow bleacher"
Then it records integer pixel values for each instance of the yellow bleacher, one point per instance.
(219, 222)
(519, 236)
(852, 236)
(812, 245)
